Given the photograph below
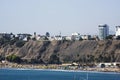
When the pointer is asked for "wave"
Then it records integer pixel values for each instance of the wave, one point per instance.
(60, 70)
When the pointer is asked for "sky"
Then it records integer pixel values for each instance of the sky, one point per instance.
(55, 16)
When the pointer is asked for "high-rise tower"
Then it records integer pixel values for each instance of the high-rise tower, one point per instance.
(103, 31)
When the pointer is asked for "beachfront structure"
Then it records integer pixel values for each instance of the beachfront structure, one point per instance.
(117, 31)
(103, 31)
(107, 65)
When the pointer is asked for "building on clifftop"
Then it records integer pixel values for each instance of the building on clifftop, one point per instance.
(103, 31)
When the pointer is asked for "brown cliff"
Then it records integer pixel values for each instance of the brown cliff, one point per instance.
(86, 51)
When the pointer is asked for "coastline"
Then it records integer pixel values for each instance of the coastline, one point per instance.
(54, 67)
(59, 70)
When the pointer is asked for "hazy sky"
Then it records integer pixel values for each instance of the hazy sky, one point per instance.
(55, 16)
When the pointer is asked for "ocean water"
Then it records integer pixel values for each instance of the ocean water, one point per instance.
(27, 74)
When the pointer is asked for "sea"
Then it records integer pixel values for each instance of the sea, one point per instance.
(46, 74)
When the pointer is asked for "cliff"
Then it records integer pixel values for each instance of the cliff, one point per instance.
(86, 51)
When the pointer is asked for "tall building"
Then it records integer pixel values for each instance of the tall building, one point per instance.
(103, 31)
(117, 31)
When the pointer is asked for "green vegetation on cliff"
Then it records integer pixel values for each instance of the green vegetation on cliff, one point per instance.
(14, 58)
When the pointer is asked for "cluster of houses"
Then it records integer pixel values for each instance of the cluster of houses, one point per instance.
(25, 37)
(103, 34)
(13, 36)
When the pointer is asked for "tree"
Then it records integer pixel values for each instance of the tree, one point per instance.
(12, 41)
(28, 38)
(118, 38)
(34, 39)
(47, 34)
(109, 37)
(20, 43)
(1, 58)
(54, 59)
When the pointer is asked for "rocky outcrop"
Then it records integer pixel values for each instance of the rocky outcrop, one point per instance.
(65, 51)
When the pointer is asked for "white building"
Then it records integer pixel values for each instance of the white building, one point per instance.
(117, 31)
(76, 36)
(68, 38)
(58, 38)
(103, 31)
(23, 36)
(86, 37)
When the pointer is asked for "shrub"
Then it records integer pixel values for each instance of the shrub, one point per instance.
(14, 58)
(20, 43)
(54, 59)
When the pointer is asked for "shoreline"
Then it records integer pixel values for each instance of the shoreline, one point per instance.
(59, 70)
(56, 68)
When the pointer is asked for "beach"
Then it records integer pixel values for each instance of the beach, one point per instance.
(57, 67)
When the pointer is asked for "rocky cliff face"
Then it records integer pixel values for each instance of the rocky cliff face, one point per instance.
(65, 51)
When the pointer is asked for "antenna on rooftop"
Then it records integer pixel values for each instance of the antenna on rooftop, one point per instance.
(60, 33)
